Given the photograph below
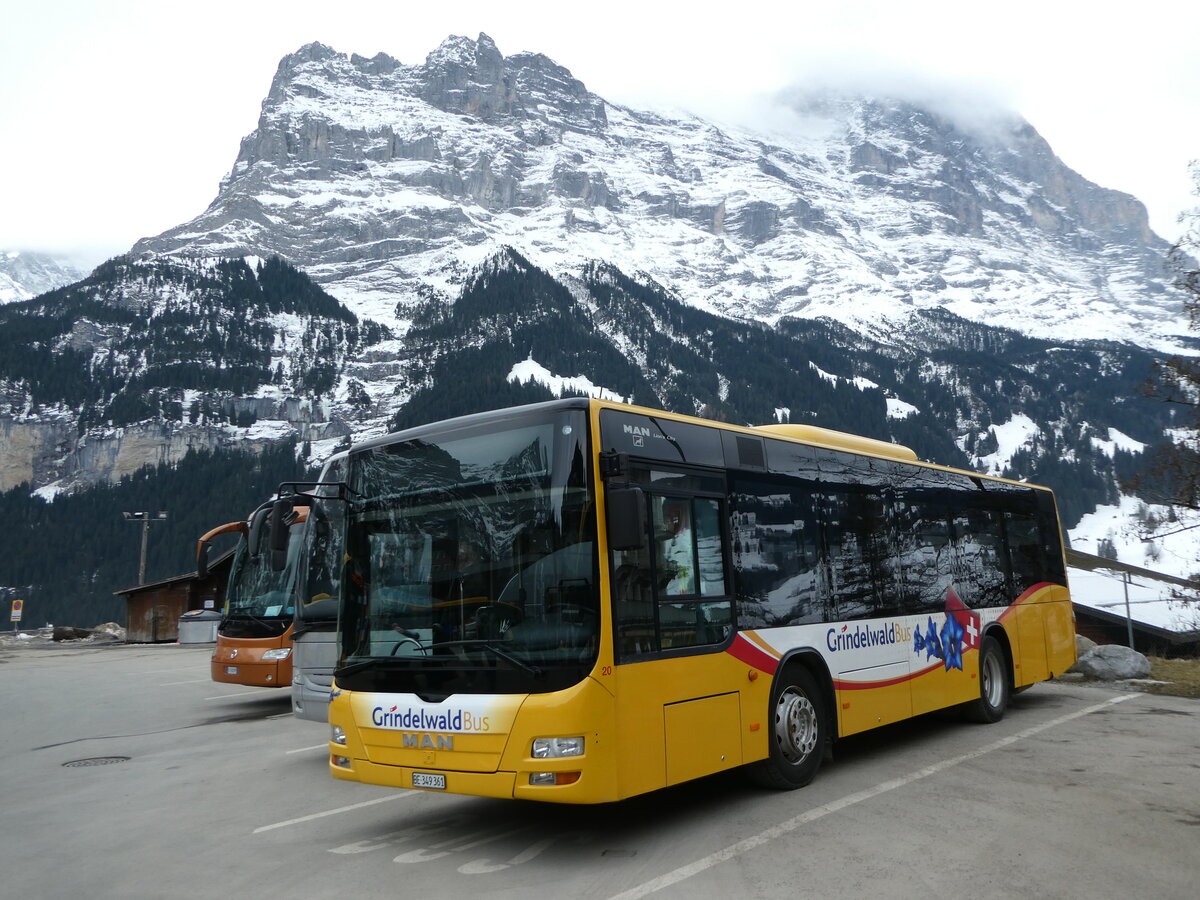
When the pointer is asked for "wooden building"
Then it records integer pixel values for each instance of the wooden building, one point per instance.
(153, 610)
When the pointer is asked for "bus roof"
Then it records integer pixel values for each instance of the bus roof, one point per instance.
(806, 434)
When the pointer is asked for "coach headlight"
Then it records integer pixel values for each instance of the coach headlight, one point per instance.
(557, 747)
(338, 735)
(282, 653)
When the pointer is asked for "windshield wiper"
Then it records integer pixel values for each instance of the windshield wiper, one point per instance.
(535, 671)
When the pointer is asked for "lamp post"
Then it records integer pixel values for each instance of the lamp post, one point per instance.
(145, 518)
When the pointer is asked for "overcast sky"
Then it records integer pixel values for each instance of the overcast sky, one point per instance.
(119, 118)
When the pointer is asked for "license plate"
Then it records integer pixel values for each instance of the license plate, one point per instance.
(429, 780)
(231, 670)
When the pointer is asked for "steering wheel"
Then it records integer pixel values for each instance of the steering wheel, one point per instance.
(492, 616)
(407, 640)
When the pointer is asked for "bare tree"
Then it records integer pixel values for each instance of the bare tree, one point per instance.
(1172, 476)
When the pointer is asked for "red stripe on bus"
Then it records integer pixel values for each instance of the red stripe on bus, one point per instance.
(745, 650)
(887, 682)
(866, 685)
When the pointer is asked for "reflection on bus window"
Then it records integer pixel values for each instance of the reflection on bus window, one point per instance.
(661, 601)
(676, 546)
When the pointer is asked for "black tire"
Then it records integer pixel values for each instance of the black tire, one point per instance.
(995, 684)
(798, 732)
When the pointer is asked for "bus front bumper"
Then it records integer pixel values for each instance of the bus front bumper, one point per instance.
(255, 674)
(310, 701)
(500, 785)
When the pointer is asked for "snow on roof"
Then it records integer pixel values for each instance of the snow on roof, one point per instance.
(1151, 602)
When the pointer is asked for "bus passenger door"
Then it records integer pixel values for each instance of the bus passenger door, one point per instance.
(673, 615)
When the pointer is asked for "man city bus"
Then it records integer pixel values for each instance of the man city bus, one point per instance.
(581, 601)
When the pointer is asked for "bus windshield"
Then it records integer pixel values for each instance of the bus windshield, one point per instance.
(256, 592)
(471, 561)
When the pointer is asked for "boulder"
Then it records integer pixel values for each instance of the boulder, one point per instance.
(109, 631)
(69, 633)
(1112, 662)
(1083, 646)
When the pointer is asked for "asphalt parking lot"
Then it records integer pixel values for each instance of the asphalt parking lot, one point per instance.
(130, 774)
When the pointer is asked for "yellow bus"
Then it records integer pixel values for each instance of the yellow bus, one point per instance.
(581, 601)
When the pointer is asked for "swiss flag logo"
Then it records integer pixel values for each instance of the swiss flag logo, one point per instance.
(967, 620)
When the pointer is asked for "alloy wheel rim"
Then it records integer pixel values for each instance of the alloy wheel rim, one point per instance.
(795, 725)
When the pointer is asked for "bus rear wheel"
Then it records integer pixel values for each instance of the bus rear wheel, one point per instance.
(994, 684)
(797, 732)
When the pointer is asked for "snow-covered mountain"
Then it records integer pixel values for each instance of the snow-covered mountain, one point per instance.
(398, 243)
(382, 180)
(25, 274)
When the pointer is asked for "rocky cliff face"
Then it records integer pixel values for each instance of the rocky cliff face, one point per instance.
(382, 180)
(145, 360)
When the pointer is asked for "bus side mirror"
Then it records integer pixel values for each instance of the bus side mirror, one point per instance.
(626, 517)
(202, 559)
(281, 511)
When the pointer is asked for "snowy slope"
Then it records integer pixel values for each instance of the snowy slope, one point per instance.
(24, 274)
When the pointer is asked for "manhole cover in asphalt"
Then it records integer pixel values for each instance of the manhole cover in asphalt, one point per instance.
(96, 761)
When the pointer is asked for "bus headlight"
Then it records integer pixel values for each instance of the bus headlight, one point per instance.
(555, 748)
(339, 735)
(282, 653)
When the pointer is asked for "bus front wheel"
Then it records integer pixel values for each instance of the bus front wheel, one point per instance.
(994, 684)
(797, 733)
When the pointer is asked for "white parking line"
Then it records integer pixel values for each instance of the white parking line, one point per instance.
(333, 812)
(245, 694)
(307, 749)
(194, 681)
(763, 837)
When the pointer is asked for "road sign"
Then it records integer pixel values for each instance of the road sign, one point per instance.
(18, 607)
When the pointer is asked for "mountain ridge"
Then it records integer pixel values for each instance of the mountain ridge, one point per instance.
(371, 175)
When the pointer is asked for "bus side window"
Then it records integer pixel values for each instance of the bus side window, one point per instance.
(1025, 550)
(981, 564)
(865, 580)
(925, 552)
(779, 569)
(710, 562)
